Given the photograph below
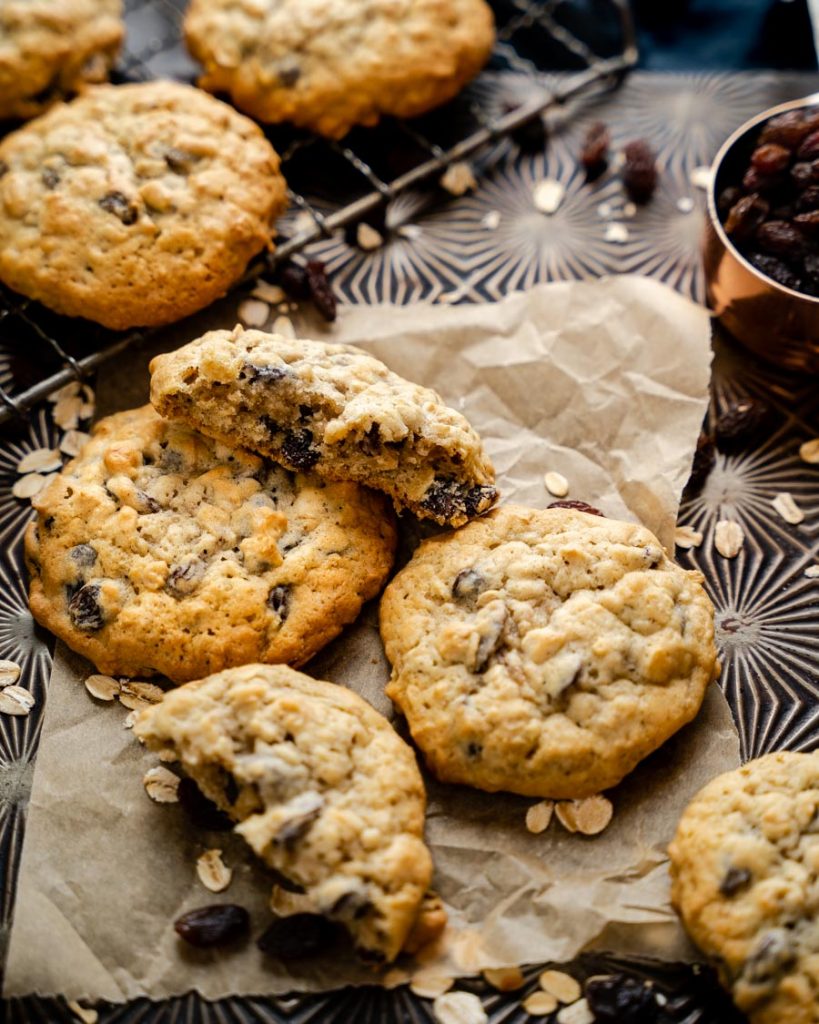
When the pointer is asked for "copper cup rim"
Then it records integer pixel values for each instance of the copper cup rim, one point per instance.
(782, 108)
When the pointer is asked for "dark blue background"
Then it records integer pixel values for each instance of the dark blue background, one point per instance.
(697, 35)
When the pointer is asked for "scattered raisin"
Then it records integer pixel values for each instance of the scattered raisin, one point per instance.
(298, 936)
(203, 813)
(215, 925)
(619, 999)
(640, 171)
(741, 421)
(704, 457)
(84, 609)
(746, 216)
(320, 290)
(780, 238)
(298, 449)
(735, 880)
(279, 600)
(531, 137)
(775, 269)
(594, 155)
(578, 506)
(771, 158)
(293, 279)
(120, 206)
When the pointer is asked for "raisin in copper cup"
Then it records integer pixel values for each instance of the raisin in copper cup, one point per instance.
(776, 320)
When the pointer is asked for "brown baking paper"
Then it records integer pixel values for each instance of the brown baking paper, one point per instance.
(605, 382)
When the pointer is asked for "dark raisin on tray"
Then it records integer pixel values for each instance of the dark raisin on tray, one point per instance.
(594, 155)
(620, 999)
(215, 925)
(704, 457)
(772, 214)
(640, 170)
(741, 421)
(298, 936)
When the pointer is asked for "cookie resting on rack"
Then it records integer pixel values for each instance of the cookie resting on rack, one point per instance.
(745, 880)
(332, 409)
(322, 788)
(327, 65)
(545, 652)
(160, 551)
(50, 49)
(135, 205)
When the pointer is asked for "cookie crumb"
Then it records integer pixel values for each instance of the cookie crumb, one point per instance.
(728, 538)
(629, 210)
(254, 312)
(701, 177)
(130, 718)
(459, 1008)
(604, 211)
(589, 816)
(268, 292)
(687, 537)
(685, 204)
(9, 673)
(161, 785)
(504, 979)
(556, 484)
(812, 572)
(83, 1013)
(69, 390)
(40, 460)
(212, 871)
(283, 325)
(367, 238)
(458, 179)
(167, 755)
(539, 816)
(491, 220)
(14, 700)
(809, 451)
(73, 441)
(29, 485)
(538, 1004)
(786, 507)
(562, 986)
(577, 1013)
(547, 195)
(616, 232)
(102, 687)
(429, 983)
(429, 924)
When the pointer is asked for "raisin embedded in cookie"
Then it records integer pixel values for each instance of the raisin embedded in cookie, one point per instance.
(545, 652)
(135, 205)
(329, 64)
(323, 789)
(160, 551)
(50, 49)
(332, 409)
(745, 880)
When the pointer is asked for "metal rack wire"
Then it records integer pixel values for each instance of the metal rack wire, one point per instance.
(594, 39)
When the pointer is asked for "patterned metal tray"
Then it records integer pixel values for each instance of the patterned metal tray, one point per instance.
(768, 626)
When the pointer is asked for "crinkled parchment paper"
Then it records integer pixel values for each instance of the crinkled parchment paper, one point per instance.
(605, 382)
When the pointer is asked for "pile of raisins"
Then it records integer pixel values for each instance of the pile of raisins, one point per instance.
(773, 216)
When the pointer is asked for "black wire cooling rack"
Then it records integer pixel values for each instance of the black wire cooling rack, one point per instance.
(592, 41)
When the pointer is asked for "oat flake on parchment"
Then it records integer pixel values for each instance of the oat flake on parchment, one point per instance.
(539, 816)
(161, 785)
(136, 695)
(102, 687)
(589, 816)
(212, 871)
(556, 484)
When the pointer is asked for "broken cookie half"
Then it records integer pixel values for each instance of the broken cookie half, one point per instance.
(331, 409)
(321, 787)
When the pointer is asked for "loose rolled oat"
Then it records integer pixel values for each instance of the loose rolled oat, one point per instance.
(589, 816)
(556, 484)
(429, 983)
(212, 871)
(538, 1004)
(140, 695)
(161, 785)
(14, 700)
(367, 238)
(728, 538)
(562, 986)
(539, 816)
(73, 441)
(268, 292)
(102, 687)
(809, 451)
(786, 507)
(504, 979)
(67, 412)
(28, 486)
(9, 673)
(459, 1008)
(687, 537)
(86, 1014)
(40, 460)
(458, 179)
(283, 325)
(577, 1013)
(254, 312)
